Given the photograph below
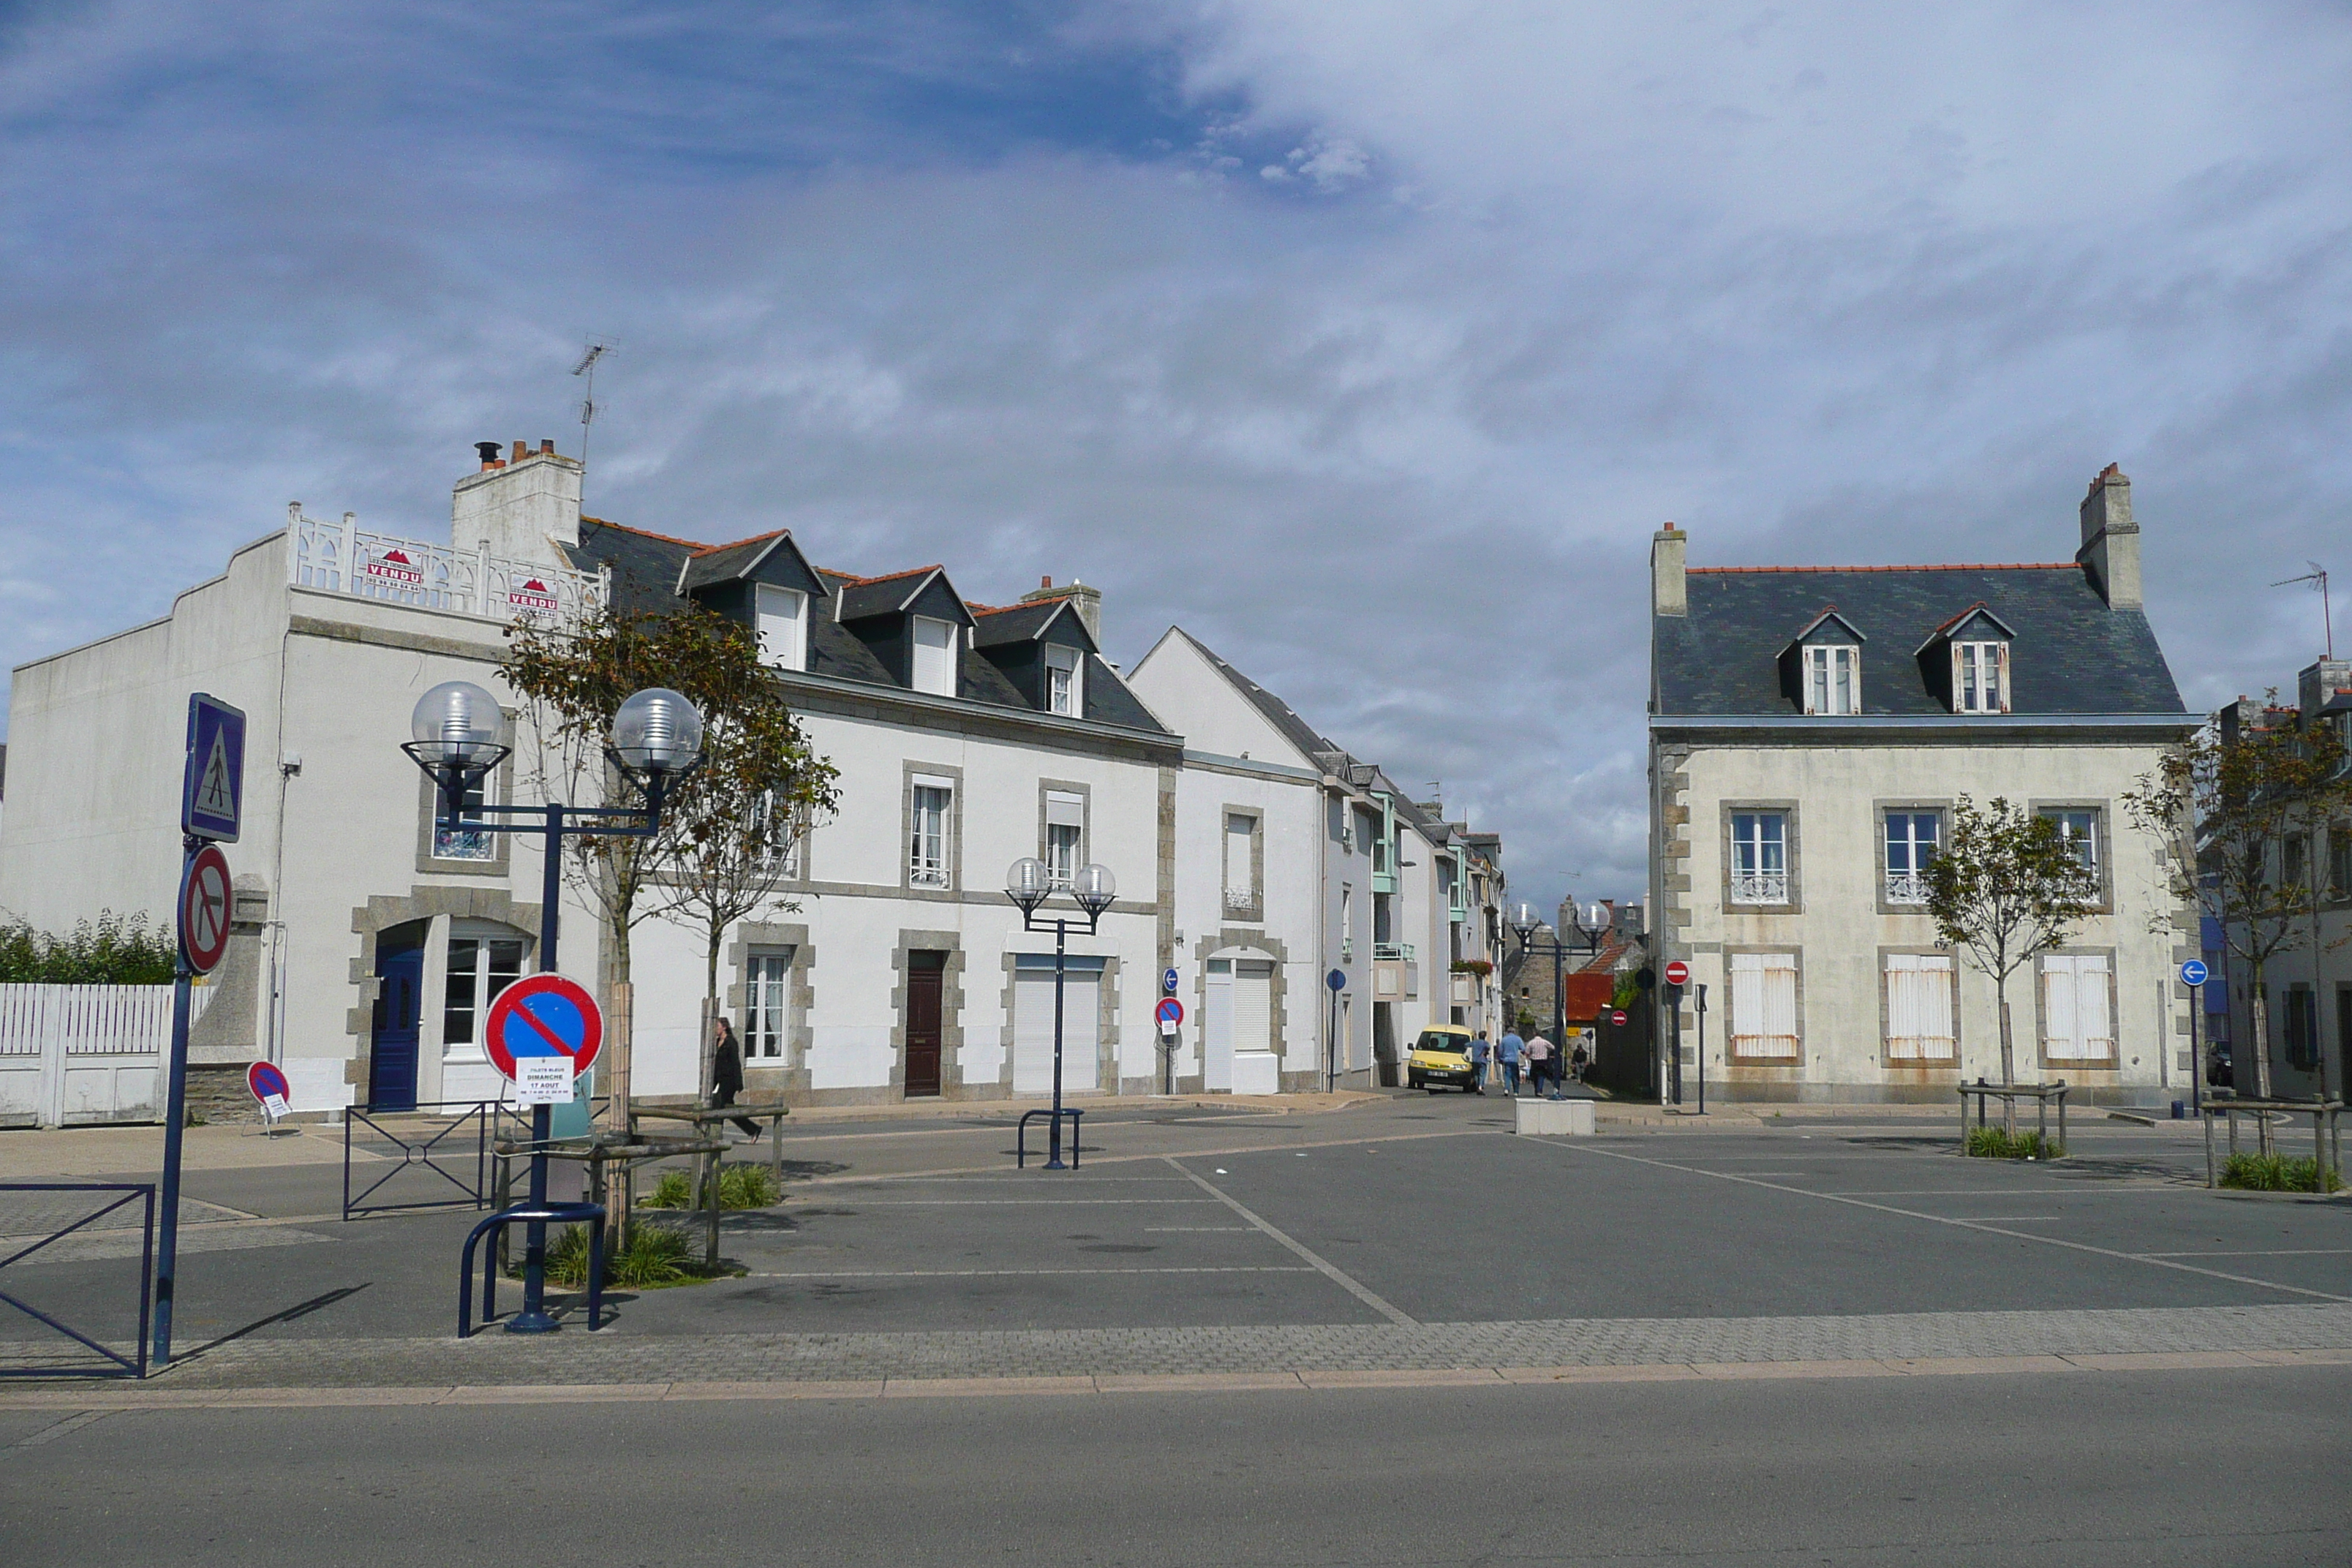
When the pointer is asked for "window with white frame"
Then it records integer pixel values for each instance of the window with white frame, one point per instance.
(1910, 844)
(928, 814)
(1979, 678)
(766, 979)
(2078, 1023)
(1346, 923)
(1919, 1007)
(1240, 861)
(1064, 681)
(785, 830)
(466, 844)
(2340, 864)
(1833, 679)
(1764, 1005)
(935, 656)
(1760, 858)
(1065, 828)
(480, 966)
(2079, 826)
(784, 628)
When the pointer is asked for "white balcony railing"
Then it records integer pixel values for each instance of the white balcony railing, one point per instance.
(344, 558)
(1760, 887)
(1240, 899)
(1906, 887)
(1398, 951)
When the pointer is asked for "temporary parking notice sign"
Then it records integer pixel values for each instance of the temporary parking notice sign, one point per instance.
(542, 1031)
(268, 1082)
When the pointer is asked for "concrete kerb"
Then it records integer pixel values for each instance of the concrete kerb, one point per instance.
(1085, 1386)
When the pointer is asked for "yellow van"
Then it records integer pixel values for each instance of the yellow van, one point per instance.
(1442, 1054)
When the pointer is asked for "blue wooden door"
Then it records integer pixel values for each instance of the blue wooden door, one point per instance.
(392, 1062)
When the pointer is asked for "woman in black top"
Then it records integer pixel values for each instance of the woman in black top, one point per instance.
(727, 1075)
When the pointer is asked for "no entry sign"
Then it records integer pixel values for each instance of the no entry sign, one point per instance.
(542, 1031)
(203, 910)
(1677, 973)
(1618, 1019)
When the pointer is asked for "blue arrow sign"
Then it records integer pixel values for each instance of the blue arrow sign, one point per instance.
(2193, 973)
(1337, 980)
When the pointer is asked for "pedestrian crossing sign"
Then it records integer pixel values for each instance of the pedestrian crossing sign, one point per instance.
(212, 789)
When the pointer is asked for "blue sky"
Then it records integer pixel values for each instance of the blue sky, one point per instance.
(1368, 341)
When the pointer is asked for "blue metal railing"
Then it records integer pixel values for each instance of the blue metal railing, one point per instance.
(114, 1364)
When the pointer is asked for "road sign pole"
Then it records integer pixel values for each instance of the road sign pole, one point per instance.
(1702, 1050)
(176, 1120)
(2195, 1052)
(534, 1318)
(1054, 1146)
(1675, 1033)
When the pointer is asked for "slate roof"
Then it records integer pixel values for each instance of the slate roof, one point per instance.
(2071, 654)
(647, 569)
(993, 625)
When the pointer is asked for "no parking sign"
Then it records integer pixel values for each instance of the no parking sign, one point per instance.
(268, 1082)
(542, 1031)
(1171, 1013)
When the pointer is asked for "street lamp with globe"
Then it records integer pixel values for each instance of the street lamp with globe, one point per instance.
(460, 735)
(1029, 884)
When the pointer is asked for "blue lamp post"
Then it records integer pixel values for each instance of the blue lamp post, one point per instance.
(460, 735)
(1028, 884)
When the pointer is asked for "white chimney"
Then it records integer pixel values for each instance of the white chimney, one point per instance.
(523, 505)
(1668, 596)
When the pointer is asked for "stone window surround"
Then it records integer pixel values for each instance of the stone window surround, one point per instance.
(380, 914)
(1791, 846)
(789, 1073)
(1254, 910)
(1887, 1014)
(908, 771)
(1085, 792)
(1734, 1059)
(1107, 1031)
(2103, 837)
(951, 1008)
(1878, 810)
(499, 791)
(1278, 998)
(2041, 1023)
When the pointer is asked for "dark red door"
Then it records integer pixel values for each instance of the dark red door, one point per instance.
(924, 972)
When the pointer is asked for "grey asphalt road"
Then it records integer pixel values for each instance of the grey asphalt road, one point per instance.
(2243, 1469)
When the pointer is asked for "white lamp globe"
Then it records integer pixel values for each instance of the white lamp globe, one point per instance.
(658, 731)
(1095, 886)
(1027, 879)
(457, 721)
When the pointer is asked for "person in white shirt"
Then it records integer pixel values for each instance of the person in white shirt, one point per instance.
(1540, 1054)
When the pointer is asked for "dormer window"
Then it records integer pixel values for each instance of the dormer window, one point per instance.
(934, 657)
(1833, 679)
(1064, 681)
(784, 628)
(1979, 678)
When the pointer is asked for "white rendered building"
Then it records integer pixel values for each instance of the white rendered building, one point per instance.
(1810, 728)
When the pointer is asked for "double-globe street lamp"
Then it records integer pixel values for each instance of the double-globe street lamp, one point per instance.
(1525, 923)
(460, 735)
(1028, 884)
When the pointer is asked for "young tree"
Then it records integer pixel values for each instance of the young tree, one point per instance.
(2004, 888)
(2226, 806)
(572, 678)
(759, 787)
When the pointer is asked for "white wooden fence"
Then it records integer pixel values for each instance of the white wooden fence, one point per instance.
(73, 1055)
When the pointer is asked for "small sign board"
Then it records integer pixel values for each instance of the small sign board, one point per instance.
(1618, 1018)
(2193, 973)
(1337, 980)
(549, 1024)
(203, 910)
(212, 785)
(1677, 973)
(268, 1082)
(1169, 979)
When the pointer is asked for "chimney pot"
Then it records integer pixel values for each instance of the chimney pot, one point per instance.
(520, 452)
(489, 454)
(1045, 582)
(547, 446)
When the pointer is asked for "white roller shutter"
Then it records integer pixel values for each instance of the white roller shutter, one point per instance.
(1217, 1028)
(1032, 1031)
(1253, 1005)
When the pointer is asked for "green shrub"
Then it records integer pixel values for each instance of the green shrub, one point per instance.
(114, 950)
(654, 1255)
(2277, 1174)
(2000, 1143)
(741, 1186)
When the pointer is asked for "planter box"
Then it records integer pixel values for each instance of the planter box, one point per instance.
(1555, 1118)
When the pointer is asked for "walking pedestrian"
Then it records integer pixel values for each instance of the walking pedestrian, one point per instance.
(1478, 1053)
(1512, 1049)
(1538, 1054)
(726, 1074)
(1581, 1058)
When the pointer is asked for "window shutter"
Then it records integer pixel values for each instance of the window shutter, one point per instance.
(2058, 1030)
(1781, 1004)
(1747, 1002)
(2095, 1032)
(1903, 1023)
(1959, 678)
(1064, 810)
(2000, 663)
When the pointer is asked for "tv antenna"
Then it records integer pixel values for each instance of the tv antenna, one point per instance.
(2317, 575)
(597, 349)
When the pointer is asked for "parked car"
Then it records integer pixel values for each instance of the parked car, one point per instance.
(1442, 1054)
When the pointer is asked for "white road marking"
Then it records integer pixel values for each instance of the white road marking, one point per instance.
(1353, 1286)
